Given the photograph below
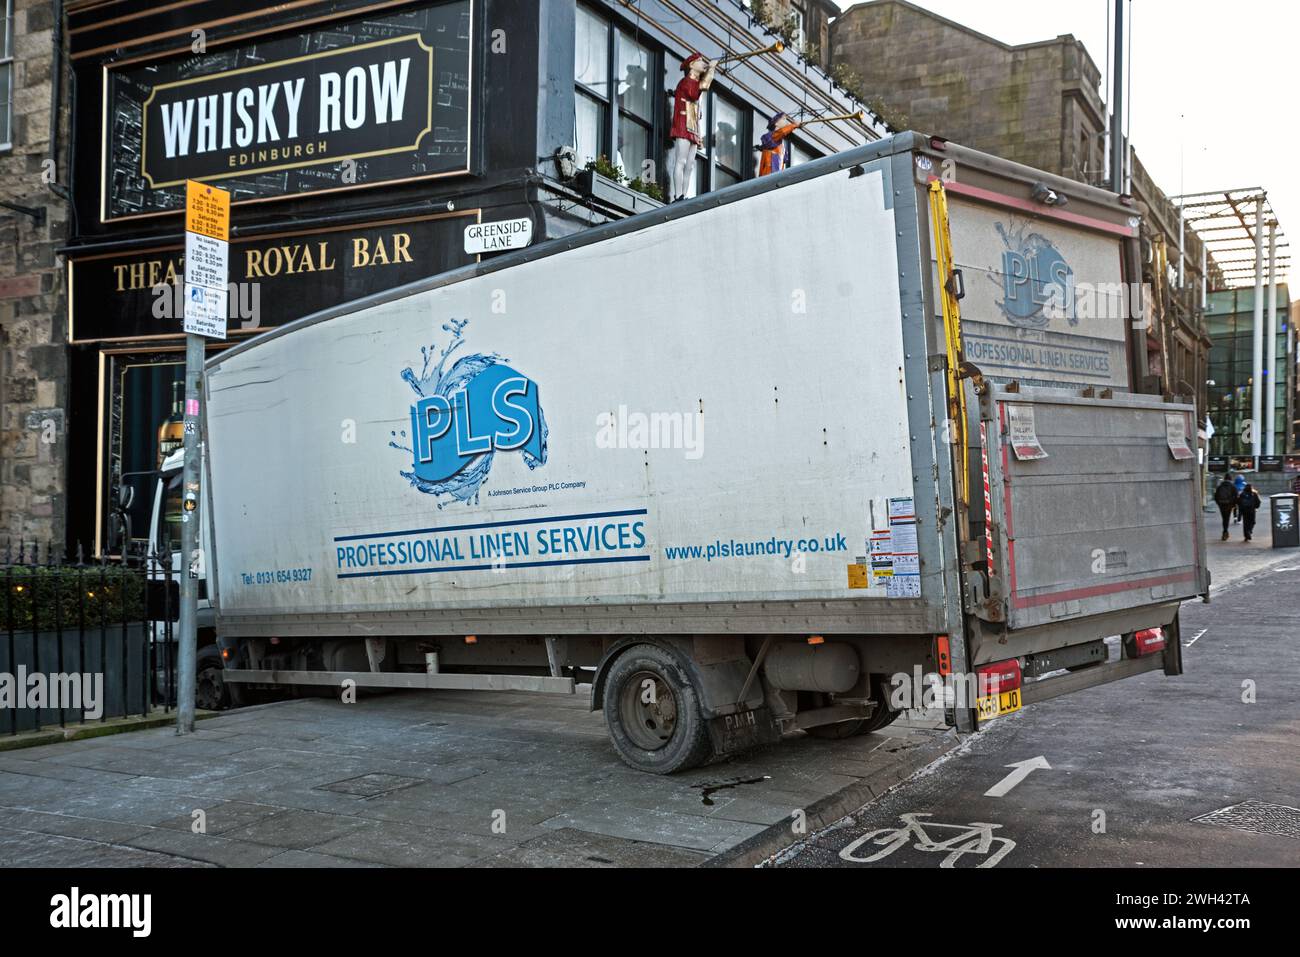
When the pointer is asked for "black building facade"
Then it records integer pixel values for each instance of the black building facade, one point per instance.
(359, 141)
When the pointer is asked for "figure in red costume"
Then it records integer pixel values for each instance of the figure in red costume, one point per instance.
(686, 130)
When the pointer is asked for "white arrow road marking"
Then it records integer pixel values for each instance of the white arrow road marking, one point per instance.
(1188, 644)
(1022, 769)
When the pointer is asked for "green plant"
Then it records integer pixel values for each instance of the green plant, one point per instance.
(50, 595)
(894, 119)
(602, 166)
(852, 83)
(787, 29)
(647, 187)
(848, 79)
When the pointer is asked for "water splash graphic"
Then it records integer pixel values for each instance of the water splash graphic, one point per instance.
(436, 379)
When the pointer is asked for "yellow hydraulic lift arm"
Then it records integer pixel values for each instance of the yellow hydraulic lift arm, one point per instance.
(950, 295)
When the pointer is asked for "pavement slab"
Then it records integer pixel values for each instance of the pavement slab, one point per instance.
(295, 828)
(32, 849)
(413, 779)
(566, 847)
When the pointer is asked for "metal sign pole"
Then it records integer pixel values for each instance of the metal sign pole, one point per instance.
(207, 249)
(187, 635)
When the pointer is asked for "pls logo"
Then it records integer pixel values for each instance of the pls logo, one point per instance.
(465, 413)
(1037, 282)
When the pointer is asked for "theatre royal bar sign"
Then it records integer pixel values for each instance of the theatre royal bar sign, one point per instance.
(347, 105)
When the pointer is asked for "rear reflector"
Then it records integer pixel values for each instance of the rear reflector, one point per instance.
(943, 655)
(999, 677)
(1148, 641)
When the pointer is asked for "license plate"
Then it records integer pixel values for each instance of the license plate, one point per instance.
(995, 706)
(744, 730)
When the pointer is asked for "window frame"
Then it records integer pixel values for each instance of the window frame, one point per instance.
(604, 143)
(706, 175)
(743, 137)
(799, 10)
(614, 112)
(7, 63)
(800, 153)
(651, 126)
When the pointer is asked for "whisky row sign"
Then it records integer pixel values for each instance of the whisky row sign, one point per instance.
(349, 104)
(371, 99)
(273, 280)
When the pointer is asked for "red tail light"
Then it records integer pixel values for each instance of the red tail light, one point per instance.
(1148, 641)
(999, 677)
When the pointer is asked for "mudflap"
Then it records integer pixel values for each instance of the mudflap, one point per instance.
(1174, 648)
(751, 728)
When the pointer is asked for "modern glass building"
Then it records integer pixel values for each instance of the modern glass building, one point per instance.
(1230, 319)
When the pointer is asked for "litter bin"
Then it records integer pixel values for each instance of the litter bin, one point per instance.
(1286, 534)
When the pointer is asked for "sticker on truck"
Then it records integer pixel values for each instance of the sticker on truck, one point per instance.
(1176, 436)
(905, 582)
(1024, 437)
(895, 559)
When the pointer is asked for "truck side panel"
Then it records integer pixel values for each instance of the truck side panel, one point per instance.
(699, 411)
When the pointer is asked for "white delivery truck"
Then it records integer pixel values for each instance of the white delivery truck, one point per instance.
(736, 462)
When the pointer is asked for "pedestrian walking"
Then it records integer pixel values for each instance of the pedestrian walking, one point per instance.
(1247, 504)
(1240, 483)
(1225, 496)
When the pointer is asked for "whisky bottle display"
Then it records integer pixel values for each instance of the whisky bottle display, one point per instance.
(171, 434)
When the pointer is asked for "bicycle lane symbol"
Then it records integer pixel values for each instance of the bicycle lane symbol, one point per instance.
(976, 838)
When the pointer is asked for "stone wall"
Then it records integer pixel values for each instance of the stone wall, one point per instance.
(33, 354)
(1036, 103)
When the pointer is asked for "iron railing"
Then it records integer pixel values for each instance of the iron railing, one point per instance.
(70, 624)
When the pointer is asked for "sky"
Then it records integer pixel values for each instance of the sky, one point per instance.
(1215, 85)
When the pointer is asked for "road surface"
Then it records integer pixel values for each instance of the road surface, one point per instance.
(1132, 765)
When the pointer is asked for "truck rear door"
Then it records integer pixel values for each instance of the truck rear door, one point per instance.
(1093, 504)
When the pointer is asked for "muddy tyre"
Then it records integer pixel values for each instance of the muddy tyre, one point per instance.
(653, 712)
(211, 693)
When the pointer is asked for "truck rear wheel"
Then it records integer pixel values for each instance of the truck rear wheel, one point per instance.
(211, 693)
(653, 712)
